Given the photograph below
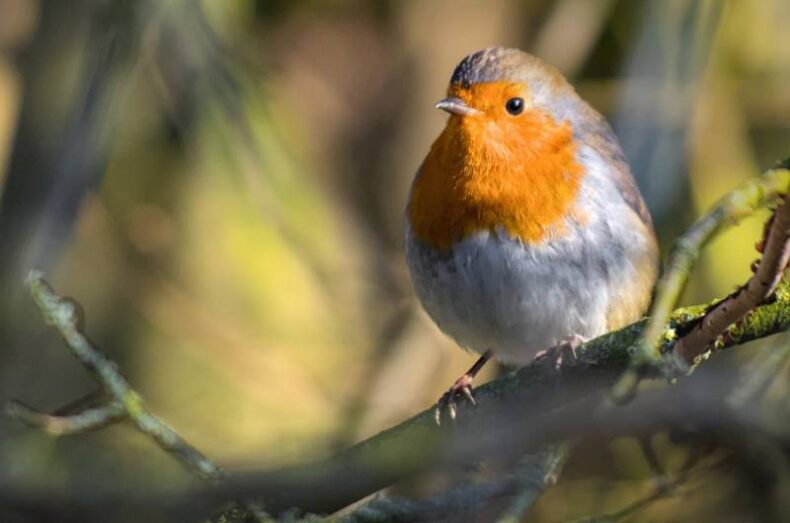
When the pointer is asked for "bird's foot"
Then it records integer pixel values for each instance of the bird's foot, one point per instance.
(562, 353)
(462, 388)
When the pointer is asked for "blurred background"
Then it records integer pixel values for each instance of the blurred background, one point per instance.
(221, 185)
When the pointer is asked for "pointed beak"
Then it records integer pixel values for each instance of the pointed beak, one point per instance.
(457, 106)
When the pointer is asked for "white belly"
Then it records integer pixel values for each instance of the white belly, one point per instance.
(492, 292)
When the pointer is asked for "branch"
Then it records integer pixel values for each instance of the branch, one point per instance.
(521, 398)
(657, 494)
(543, 476)
(736, 205)
(85, 421)
(532, 476)
(759, 288)
(518, 415)
(507, 427)
(124, 402)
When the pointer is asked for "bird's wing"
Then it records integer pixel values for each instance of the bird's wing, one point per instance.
(599, 135)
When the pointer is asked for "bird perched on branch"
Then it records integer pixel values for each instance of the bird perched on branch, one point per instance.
(525, 230)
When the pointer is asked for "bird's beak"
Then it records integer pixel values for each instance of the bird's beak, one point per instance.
(457, 106)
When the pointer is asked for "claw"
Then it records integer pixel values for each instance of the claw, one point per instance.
(468, 393)
(462, 386)
(563, 352)
(449, 400)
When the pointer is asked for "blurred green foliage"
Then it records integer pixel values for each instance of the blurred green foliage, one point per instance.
(238, 248)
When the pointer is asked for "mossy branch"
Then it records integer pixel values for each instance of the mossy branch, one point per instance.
(760, 287)
(741, 202)
(736, 205)
(418, 444)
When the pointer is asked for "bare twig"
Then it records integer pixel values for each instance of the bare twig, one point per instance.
(85, 421)
(124, 402)
(662, 490)
(759, 288)
(738, 204)
(656, 494)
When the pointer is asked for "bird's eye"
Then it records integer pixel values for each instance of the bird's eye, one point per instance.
(515, 106)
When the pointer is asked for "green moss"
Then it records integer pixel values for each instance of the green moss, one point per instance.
(770, 318)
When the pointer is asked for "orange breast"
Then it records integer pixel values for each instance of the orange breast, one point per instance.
(494, 170)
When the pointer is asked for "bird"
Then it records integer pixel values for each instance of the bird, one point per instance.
(525, 232)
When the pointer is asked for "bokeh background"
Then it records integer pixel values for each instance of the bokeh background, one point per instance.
(221, 185)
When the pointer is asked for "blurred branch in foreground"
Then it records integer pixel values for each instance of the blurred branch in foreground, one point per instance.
(519, 413)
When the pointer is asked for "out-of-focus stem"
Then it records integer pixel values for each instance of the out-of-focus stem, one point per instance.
(124, 402)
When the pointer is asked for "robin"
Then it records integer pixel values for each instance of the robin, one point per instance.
(525, 230)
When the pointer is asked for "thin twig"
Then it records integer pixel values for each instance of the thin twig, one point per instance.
(660, 491)
(123, 401)
(85, 421)
(738, 204)
(759, 288)
(629, 510)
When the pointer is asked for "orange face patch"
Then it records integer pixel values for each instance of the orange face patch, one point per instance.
(495, 170)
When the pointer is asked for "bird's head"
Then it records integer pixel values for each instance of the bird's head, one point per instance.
(508, 100)
(507, 158)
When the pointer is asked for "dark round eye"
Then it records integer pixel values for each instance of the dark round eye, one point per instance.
(515, 106)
